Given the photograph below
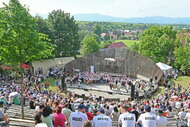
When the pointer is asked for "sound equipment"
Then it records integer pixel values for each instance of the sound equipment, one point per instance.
(151, 80)
(156, 77)
(110, 92)
(132, 92)
(63, 84)
(85, 89)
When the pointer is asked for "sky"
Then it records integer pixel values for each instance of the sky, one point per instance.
(117, 8)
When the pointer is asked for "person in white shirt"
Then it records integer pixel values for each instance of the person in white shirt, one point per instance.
(126, 119)
(77, 118)
(101, 120)
(182, 114)
(161, 120)
(187, 117)
(147, 119)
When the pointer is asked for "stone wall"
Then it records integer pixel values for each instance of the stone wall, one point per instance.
(127, 63)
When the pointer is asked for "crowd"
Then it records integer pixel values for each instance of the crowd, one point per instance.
(58, 110)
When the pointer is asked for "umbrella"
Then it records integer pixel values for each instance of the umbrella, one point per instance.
(26, 66)
(13, 94)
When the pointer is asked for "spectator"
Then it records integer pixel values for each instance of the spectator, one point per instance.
(47, 117)
(147, 119)
(66, 111)
(126, 119)
(115, 114)
(59, 118)
(78, 118)
(102, 120)
(161, 120)
(87, 124)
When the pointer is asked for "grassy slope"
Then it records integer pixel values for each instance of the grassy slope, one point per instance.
(183, 80)
(129, 43)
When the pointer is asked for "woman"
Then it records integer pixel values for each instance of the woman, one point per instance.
(115, 114)
(59, 118)
(47, 117)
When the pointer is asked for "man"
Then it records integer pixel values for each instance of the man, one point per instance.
(38, 115)
(126, 119)
(161, 120)
(3, 118)
(182, 114)
(66, 111)
(187, 117)
(77, 118)
(147, 119)
(135, 112)
(101, 120)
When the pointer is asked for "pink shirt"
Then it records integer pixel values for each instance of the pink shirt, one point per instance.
(59, 120)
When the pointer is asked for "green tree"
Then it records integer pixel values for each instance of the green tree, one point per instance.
(158, 43)
(97, 29)
(19, 40)
(89, 44)
(64, 33)
(182, 56)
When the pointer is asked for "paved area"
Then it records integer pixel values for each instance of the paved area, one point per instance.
(99, 90)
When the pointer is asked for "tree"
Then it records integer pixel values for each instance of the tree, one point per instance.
(158, 43)
(182, 56)
(64, 33)
(20, 42)
(89, 44)
(97, 29)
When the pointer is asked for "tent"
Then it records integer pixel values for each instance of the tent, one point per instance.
(164, 67)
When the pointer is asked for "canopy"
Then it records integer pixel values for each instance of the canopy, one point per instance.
(26, 66)
(164, 67)
(110, 59)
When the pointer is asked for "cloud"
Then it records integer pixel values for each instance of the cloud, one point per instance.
(119, 8)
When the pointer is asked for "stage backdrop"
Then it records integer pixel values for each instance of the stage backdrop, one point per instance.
(120, 61)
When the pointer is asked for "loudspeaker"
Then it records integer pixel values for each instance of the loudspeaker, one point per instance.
(156, 77)
(151, 80)
(110, 92)
(63, 84)
(132, 92)
(85, 89)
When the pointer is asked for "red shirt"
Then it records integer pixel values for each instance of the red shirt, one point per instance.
(89, 115)
(59, 120)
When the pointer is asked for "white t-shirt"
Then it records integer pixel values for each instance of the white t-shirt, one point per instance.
(178, 105)
(148, 119)
(77, 119)
(182, 115)
(127, 119)
(162, 121)
(188, 119)
(102, 120)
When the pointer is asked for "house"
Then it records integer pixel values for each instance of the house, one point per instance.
(116, 45)
(103, 34)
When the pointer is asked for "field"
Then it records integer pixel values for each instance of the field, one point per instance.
(183, 80)
(129, 43)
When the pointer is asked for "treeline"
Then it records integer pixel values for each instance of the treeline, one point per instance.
(164, 44)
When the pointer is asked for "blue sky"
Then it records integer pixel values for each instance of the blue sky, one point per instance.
(118, 8)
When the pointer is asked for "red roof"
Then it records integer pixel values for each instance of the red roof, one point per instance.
(116, 45)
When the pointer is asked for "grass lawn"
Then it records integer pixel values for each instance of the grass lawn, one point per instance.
(129, 43)
(52, 84)
(183, 80)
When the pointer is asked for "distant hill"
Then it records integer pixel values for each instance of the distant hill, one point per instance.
(153, 19)
(107, 18)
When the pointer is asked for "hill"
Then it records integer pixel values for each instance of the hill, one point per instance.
(153, 19)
